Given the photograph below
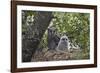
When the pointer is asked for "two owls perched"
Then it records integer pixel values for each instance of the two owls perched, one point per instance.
(56, 42)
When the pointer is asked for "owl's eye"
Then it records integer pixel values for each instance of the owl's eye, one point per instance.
(64, 39)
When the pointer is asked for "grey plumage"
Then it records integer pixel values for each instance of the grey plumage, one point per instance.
(63, 44)
(53, 38)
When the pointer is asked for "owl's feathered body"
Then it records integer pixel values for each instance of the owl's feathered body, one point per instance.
(63, 44)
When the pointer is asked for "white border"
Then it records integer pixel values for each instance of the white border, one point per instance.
(53, 63)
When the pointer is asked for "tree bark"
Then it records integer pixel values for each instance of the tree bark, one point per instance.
(34, 34)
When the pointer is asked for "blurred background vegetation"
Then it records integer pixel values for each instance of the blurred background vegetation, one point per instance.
(75, 25)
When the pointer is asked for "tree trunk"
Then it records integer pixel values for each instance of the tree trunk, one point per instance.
(34, 34)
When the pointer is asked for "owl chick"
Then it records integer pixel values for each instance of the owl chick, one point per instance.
(63, 44)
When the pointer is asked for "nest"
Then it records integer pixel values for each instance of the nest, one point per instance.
(52, 55)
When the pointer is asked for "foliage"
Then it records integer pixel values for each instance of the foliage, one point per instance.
(76, 26)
